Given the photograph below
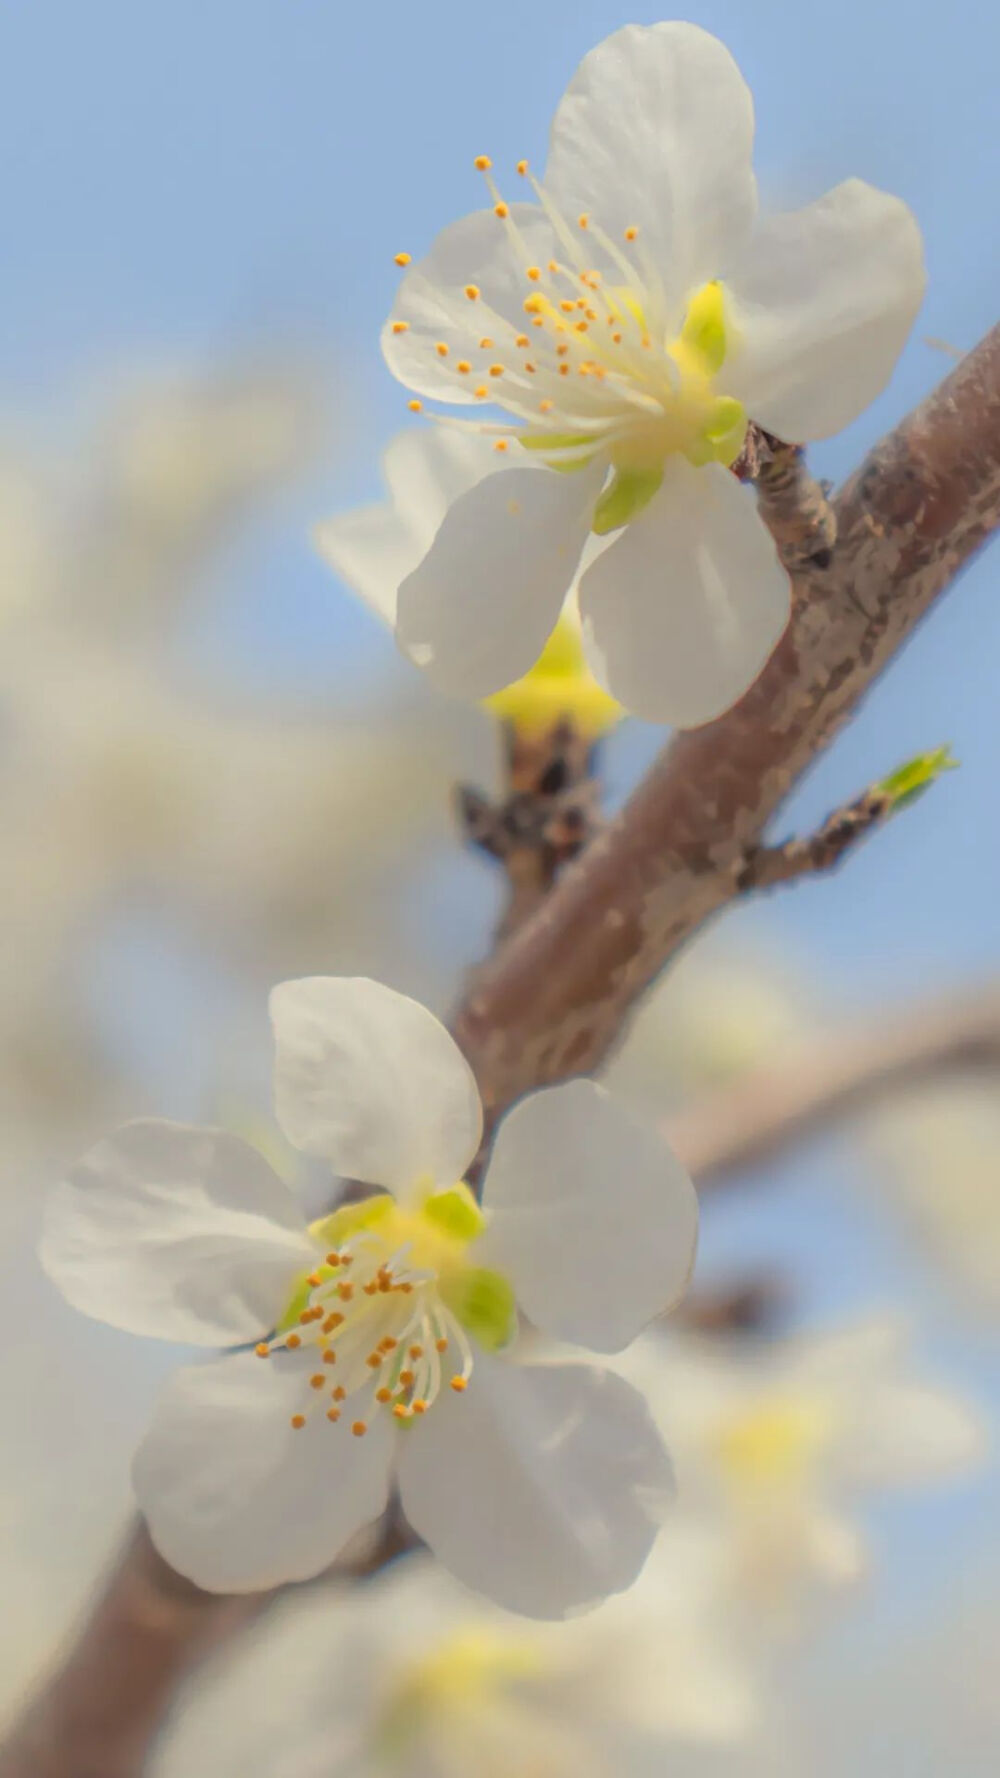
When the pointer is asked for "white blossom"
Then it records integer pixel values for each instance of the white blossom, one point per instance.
(376, 1341)
(628, 323)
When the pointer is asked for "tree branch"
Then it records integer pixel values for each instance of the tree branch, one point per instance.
(771, 1109)
(557, 994)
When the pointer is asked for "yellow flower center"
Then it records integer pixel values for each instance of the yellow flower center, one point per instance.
(387, 1314)
(455, 1682)
(559, 685)
(775, 1443)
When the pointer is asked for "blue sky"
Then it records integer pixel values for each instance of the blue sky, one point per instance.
(185, 180)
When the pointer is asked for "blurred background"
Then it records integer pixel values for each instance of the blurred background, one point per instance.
(215, 773)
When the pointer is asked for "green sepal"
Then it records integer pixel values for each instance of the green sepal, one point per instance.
(483, 1302)
(625, 496)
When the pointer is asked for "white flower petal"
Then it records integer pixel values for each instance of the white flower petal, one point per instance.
(822, 308)
(478, 611)
(905, 1433)
(374, 548)
(433, 309)
(682, 612)
(182, 1233)
(235, 1497)
(593, 1218)
(371, 1080)
(655, 131)
(540, 1485)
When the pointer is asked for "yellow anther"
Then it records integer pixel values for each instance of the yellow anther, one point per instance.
(298, 1421)
(263, 1350)
(564, 370)
(539, 321)
(546, 406)
(389, 1344)
(333, 1259)
(330, 1356)
(293, 1341)
(441, 349)
(472, 292)
(501, 210)
(482, 163)
(332, 1321)
(631, 232)
(553, 265)
(581, 326)
(533, 272)
(419, 1406)
(459, 1384)
(400, 327)
(562, 350)
(583, 221)
(383, 1395)
(463, 367)
(441, 1345)
(359, 1429)
(345, 1292)
(522, 167)
(317, 1381)
(406, 1378)
(496, 370)
(373, 1360)
(567, 306)
(530, 368)
(339, 1393)
(481, 393)
(501, 445)
(403, 258)
(333, 1414)
(522, 340)
(415, 406)
(401, 1411)
(617, 338)
(485, 343)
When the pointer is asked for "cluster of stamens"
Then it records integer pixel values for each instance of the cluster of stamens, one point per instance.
(380, 1328)
(585, 356)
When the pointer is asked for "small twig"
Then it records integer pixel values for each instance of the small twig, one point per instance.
(548, 813)
(772, 1109)
(766, 866)
(795, 508)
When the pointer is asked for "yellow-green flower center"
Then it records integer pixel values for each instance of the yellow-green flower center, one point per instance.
(775, 1443)
(394, 1303)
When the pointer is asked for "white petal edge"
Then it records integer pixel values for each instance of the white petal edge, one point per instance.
(592, 1216)
(541, 1486)
(374, 548)
(682, 612)
(235, 1497)
(371, 1081)
(655, 131)
(181, 1233)
(822, 308)
(478, 611)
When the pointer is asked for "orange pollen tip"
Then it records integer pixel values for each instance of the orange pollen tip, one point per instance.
(333, 1259)
(441, 349)
(419, 1406)
(502, 210)
(373, 1360)
(332, 1321)
(401, 327)
(532, 305)
(534, 273)
(298, 1421)
(567, 306)
(315, 1280)
(293, 1341)
(383, 1395)
(403, 258)
(339, 1393)
(359, 1429)
(441, 1345)
(333, 1414)
(562, 350)
(522, 167)
(482, 163)
(330, 1357)
(407, 1289)
(406, 1378)
(539, 321)
(305, 1318)
(414, 406)
(580, 326)
(389, 1344)
(481, 392)
(522, 340)
(416, 1352)
(530, 368)
(485, 344)
(463, 367)
(496, 370)
(472, 291)
(317, 1381)
(263, 1350)
(501, 444)
(631, 232)
(564, 370)
(553, 265)
(345, 1292)
(617, 338)
(347, 1259)
(546, 406)
(401, 1411)
(583, 221)
(459, 1384)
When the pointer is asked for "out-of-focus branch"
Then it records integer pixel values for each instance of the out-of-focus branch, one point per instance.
(547, 814)
(557, 994)
(555, 998)
(767, 866)
(822, 1082)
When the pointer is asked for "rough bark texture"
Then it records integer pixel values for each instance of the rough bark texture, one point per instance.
(555, 998)
(557, 994)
